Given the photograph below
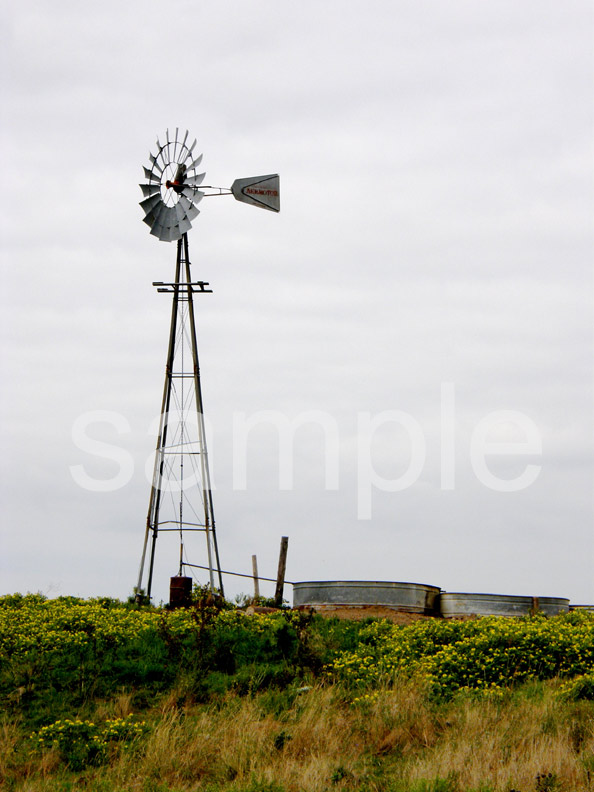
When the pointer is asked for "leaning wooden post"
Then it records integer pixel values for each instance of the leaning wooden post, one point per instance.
(256, 579)
(280, 577)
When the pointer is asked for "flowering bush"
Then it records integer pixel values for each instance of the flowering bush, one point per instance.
(70, 650)
(579, 689)
(482, 654)
(76, 649)
(82, 742)
(32, 624)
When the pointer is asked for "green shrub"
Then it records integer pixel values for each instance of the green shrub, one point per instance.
(579, 689)
(81, 742)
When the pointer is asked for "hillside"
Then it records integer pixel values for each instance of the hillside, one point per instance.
(103, 695)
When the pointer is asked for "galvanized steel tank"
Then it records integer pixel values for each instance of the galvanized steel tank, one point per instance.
(406, 597)
(457, 605)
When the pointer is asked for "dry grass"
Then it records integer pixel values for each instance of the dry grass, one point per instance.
(509, 746)
(322, 742)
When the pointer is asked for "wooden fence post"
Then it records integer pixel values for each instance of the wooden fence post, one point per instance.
(256, 579)
(280, 577)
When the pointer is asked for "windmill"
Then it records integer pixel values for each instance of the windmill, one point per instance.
(180, 501)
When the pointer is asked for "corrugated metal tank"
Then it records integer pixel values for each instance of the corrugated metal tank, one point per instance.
(457, 605)
(406, 597)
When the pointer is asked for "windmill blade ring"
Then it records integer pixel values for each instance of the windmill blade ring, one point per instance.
(170, 190)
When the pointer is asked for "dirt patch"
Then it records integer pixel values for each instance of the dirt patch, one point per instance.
(360, 612)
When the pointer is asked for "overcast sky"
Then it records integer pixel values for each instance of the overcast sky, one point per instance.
(431, 267)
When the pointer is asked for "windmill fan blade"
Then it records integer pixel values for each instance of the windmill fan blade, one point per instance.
(170, 233)
(159, 215)
(156, 165)
(184, 203)
(169, 217)
(151, 219)
(151, 203)
(163, 228)
(184, 226)
(150, 189)
(193, 193)
(175, 143)
(188, 207)
(195, 180)
(183, 220)
(180, 212)
(151, 175)
(156, 218)
(196, 162)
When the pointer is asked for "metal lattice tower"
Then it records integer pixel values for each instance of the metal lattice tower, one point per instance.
(181, 496)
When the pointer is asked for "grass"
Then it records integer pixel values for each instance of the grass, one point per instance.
(121, 700)
(403, 741)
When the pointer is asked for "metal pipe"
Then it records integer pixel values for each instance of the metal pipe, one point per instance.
(240, 574)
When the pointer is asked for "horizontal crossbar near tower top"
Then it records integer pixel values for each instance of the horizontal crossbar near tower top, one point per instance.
(182, 288)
